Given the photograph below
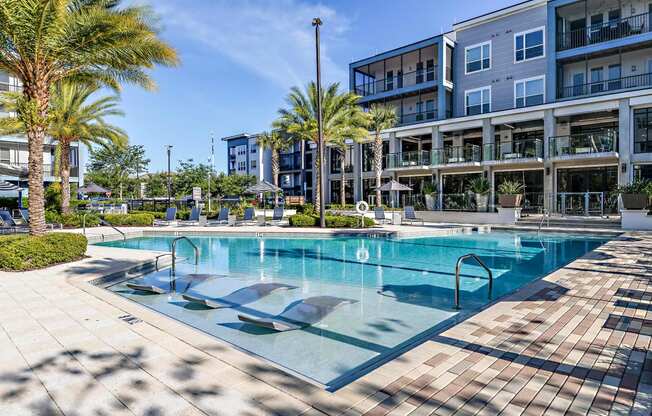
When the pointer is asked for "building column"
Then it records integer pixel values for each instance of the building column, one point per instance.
(549, 130)
(394, 143)
(625, 141)
(488, 139)
(437, 138)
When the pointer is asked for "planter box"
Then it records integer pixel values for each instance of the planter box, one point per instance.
(634, 201)
(482, 202)
(510, 201)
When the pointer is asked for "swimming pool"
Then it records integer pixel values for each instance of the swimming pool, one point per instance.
(350, 303)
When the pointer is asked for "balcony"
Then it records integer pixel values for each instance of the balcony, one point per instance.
(396, 82)
(418, 117)
(408, 159)
(607, 86)
(290, 161)
(603, 32)
(457, 155)
(582, 145)
(515, 151)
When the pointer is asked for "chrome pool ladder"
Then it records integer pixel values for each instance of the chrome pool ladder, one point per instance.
(174, 252)
(458, 266)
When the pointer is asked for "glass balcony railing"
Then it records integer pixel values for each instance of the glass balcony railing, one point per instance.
(601, 87)
(408, 159)
(603, 32)
(411, 118)
(396, 82)
(515, 150)
(583, 144)
(457, 154)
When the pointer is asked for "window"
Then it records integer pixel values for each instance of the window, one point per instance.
(529, 45)
(4, 156)
(614, 77)
(643, 130)
(529, 92)
(252, 164)
(596, 80)
(478, 57)
(478, 101)
(253, 149)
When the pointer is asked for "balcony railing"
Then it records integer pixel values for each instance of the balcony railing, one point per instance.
(408, 159)
(515, 150)
(290, 161)
(397, 81)
(583, 144)
(411, 118)
(604, 32)
(600, 87)
(457, 154)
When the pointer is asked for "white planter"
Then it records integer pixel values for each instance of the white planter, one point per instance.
(482, 201)
(430, 202)
(396, 218)
(636, 220)
(509, 215)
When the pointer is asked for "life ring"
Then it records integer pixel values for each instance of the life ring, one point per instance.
(362, 207)
(362, 254)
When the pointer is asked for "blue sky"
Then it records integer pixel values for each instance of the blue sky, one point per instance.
(239, 59)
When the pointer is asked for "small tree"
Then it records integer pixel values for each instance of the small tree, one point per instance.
(276, 142)
(111, 166)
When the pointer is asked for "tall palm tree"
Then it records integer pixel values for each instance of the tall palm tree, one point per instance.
(72, 118)
(276, 142)
(381, 117)
(46, 41)
(341, 117)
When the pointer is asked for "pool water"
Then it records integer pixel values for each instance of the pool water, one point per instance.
(396, 291)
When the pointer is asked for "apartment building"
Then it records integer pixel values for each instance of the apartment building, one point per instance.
(14, 152)
(245, 157)
(555, 94)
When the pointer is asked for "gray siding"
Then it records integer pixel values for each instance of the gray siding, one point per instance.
(503, 70)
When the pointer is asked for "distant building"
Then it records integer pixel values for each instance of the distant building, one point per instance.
(245, 157)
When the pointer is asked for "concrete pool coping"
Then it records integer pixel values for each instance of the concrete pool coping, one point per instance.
(275, 391)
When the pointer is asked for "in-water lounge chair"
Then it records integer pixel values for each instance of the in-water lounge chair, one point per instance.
(299, 314)
(170, 217)
(239, 297)
(410, 217)
(181, 284)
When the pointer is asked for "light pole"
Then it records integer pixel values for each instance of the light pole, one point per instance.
(316, 22)
(210, 173)
(168, 147)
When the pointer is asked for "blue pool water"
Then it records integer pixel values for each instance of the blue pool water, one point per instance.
(400, 290)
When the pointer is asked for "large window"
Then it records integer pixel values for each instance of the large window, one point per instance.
(529, 45)
(643, 130)
(529, 92)
(478, 101)
(643, 172)
(368, 156)
(478, 57)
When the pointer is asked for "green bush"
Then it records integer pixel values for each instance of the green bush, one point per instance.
(134, 219)
(25, 252)
(72, 220)
(332, 221)
(308, 209)
(156, 214)
(303, 220)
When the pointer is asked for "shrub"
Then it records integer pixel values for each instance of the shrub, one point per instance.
(25, 252)
(510, 188)
(72, 220)
(332, 221)
(156, 214)
(136, 219)
(308, 209)
(303, 220)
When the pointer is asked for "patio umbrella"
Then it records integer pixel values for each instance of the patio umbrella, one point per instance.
(91, 188)
(260, 188)
(394, 186)
(8, 186)
(13, 170)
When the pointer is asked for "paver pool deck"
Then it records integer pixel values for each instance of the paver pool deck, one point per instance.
(575, 342)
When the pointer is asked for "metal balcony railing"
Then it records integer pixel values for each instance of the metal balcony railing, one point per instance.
(411, 118)
(514, 150)
(397, 81)
(585, 143)
(457, 154)
(603, 32)
(408, 159)
(601, 87)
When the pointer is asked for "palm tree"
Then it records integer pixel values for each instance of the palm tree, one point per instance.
(276, 142)
(341, 117)
(72, 119)
(381, 117)
(46, 41)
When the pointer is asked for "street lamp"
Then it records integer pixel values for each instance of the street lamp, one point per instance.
(168, 147)
(316, 22)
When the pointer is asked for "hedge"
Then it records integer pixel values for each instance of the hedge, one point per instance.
(332, 221)
(72, 220)
(302, 220)
(25, 252)
(141, 220)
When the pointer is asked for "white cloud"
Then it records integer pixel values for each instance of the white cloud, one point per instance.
(273, 39)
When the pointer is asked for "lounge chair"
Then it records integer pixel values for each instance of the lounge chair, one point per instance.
(222, 217)
(8, 224)
(193, 218)
(300, 314)
(379, 216)
(277, 216)
(170, 217)
(239, 297)
(249, 216)
(184, 283)
(24, 214)
(410, 217)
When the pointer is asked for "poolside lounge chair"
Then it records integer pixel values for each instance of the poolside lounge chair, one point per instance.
(410, 217)
(222, 217)
(8, 224)
(300, 314)
(239, 297)
(277, 217)
(170, 217)
(379, 216)
(194, 216)
(249, 216)
(24, 214)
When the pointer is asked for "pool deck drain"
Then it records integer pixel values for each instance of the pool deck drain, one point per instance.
(576, 342)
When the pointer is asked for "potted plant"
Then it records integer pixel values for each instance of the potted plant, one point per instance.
(510, 194)
(481, 188)
(635, 195)
(429, 191)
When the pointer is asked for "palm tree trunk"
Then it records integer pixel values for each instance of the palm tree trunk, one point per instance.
(276, 168)
(378, 165)
(64, 174)
(343, 187)
(39, 94)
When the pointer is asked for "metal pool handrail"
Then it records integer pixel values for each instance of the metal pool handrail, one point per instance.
(105, 222)
(458, 266)
(546, 215)
(174, 252)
